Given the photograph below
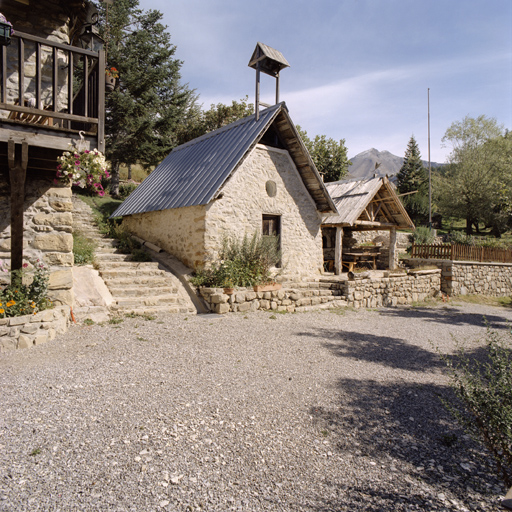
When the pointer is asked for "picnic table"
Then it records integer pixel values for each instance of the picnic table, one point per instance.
(361, 255)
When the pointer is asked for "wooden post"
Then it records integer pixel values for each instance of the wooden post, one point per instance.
(338, 262)
(392, 248)
(17, 175)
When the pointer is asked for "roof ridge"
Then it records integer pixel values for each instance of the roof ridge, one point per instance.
(230, 126)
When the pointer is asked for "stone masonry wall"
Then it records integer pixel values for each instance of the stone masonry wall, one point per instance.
(47, 233)
(179, 231)
(471, 278)
(394, 290)
(28, 330)
(245, 200)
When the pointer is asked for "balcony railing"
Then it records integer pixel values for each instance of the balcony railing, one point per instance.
(47, 84)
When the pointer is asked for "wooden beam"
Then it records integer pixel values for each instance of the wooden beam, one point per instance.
(372, 223)
(17, 176)
(338, 246)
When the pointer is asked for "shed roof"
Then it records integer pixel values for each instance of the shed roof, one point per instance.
(370, 203)
(194, 173)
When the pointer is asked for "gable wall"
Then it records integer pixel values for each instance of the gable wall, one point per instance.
(179, 231)
(245, 200)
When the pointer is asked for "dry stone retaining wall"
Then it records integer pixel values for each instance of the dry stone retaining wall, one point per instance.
(28, 330)
(392, 291)
(471, 277)
(357, 293)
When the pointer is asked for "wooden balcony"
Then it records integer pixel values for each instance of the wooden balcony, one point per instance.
(49, 93)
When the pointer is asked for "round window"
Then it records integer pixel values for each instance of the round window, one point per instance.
(271, 188)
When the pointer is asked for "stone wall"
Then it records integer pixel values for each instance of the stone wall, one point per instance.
(470, 277)
(28, 330)
(394, 290)
(245, 199)
(47, 233)
(194, 234)
(179, 231)
(309, 296)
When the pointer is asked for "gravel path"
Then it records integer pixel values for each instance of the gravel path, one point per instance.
(295, 412)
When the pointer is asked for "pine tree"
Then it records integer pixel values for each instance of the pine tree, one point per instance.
(149, 102)
(413, 177)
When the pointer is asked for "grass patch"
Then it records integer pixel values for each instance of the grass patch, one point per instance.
(35, 451)
(88, 321)
(484, 300)
(83, 249)
(115, 320)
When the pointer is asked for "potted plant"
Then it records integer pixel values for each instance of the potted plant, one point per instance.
(6, 31)
(228, 287)
(111, 75)
(267, 287)
(82, 168)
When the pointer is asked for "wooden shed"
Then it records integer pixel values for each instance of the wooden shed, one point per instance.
(362, 205)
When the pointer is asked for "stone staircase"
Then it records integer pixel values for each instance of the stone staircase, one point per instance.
(136, 287)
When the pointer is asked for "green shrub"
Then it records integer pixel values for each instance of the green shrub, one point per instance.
(27, 293)
(244, 262)
(125, 189)
(461, 238)
(483, 398)
(423, 235)
(83, 249)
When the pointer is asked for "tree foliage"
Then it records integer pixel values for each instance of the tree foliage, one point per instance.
(477, 183)
(149, 102)
(198, 121)
(330, 157)
(483, 398)
(413, 177)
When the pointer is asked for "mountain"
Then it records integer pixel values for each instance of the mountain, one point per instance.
(363, 164)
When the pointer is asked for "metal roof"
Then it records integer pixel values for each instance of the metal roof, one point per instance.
(352, 198)
(193, 173)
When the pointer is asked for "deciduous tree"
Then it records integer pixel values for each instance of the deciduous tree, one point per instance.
(330, 157)
(477, 183)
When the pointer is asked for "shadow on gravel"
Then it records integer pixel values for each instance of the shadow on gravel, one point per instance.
(405, 431)
(386, 350)
(447, 315)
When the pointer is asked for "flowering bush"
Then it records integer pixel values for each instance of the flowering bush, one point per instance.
(83, 168)
(112, 72)
(25, 294)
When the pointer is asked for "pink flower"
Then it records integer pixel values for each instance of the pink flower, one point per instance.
(77, 162)
(59, 167)
(25, 265)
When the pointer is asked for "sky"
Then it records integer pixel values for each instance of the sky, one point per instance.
(359, 70)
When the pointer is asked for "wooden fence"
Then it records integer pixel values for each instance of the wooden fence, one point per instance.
(461, 253)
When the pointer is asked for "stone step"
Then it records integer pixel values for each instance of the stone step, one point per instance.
(108, 273)
(128, 265)
(146, 280)
(153, 300)
(152, 310)
(121, 291)
(102, 257)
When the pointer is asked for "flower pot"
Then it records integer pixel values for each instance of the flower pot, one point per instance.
(110, 83)
(229, 291)
(267, 287)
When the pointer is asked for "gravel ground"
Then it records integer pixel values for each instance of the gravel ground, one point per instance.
(296, 412)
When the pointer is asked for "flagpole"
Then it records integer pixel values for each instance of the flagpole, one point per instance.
(429, 167)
